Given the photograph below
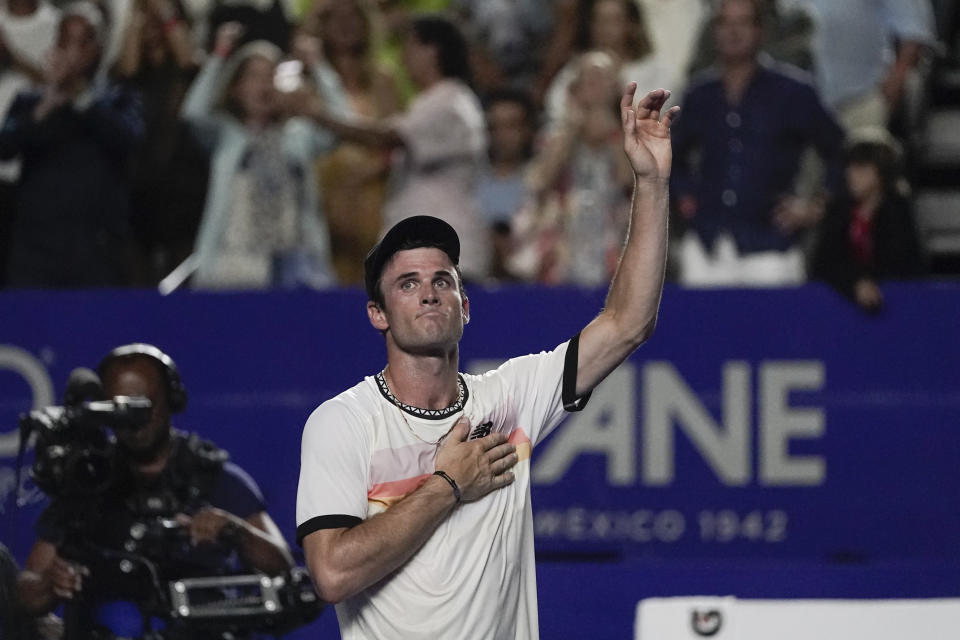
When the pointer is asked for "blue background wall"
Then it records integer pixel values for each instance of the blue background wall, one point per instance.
(867, 501)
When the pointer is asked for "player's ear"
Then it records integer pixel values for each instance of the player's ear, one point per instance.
(465, 311)
(377, 316)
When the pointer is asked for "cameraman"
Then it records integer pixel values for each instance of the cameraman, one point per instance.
(159, 473)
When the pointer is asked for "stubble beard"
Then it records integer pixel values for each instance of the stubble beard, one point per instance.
(430, 339)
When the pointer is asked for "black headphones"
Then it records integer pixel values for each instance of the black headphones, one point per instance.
(176, 392)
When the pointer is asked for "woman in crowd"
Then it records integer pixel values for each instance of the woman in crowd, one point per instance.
(571, 232)
(617, 28)
(262, 226)
(353, 177)
(439, 143)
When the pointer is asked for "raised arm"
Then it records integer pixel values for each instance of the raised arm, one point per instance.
(199, 108)
(630, 313)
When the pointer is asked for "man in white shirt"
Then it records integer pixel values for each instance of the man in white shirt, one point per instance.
(414, 501)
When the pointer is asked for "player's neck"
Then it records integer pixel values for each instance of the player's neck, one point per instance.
(423, 382)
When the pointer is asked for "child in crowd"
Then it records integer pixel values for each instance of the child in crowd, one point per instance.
(868, 232)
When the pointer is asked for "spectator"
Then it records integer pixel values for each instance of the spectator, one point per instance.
(353, 177)
(440, 141)
(506, 38)
(788, 34)
(864, 52)
(737, 150)
(158, 61)
(261, 225)
(616, 27)
(28, 28)
(869, 232)
(397, 16)
(511, 126)
(75, 137)
(160, 475)
(581, 181)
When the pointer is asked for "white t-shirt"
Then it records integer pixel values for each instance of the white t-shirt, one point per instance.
(31, 38)
(438, 170)
(475, 576)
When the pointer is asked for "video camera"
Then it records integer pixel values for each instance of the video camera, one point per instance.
(75, 450)
(76, 462)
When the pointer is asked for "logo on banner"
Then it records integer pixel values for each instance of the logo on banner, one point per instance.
(706, 623)
(35, 373)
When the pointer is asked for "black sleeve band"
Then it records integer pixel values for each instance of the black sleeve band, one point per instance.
(568, 392)
(337, 521)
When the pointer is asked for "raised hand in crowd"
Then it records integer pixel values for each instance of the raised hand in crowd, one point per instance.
(69, 68)
(157, 30)
(227, 37)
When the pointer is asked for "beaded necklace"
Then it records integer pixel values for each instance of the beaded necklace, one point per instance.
(403, 407)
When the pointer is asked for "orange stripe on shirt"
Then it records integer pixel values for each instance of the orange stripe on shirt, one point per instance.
(520, 439)
(390, 492)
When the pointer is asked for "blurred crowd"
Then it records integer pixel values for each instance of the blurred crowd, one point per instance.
(252, 144)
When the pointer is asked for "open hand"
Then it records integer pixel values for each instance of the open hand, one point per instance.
(477, 466)
(646, 136)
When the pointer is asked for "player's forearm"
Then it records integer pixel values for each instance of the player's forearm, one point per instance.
(363, 555)
(634, 297)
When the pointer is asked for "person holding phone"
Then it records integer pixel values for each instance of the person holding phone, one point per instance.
(262, 225)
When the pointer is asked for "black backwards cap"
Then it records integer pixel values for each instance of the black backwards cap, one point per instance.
(409, 233)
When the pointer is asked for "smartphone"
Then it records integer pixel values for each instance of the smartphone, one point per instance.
(288, 76)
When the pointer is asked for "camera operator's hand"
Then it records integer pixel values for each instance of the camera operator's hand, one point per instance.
(477, 466)
(66, 578)
(208, 524)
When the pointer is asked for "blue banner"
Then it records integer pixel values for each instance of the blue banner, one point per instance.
(778, 424)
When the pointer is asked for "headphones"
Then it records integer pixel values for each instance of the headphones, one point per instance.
(176, 392)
